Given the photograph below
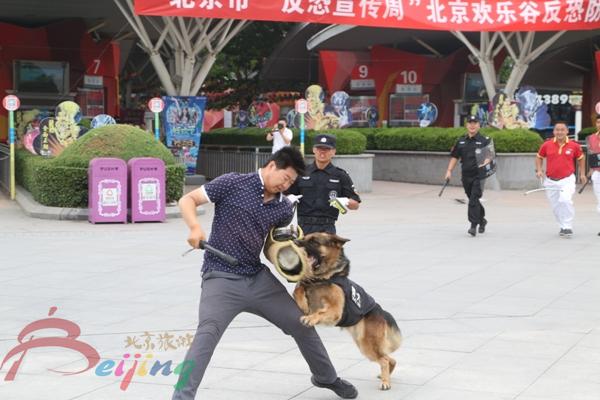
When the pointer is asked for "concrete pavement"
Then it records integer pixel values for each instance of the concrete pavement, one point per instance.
(511, 314)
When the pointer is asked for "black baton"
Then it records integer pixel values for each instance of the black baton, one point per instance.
(225, 257)
(444, 187)
(207, 247)
(584, 185)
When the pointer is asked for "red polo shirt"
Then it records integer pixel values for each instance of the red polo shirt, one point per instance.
(560, 159)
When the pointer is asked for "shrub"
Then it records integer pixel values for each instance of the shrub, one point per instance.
(515, 141)
(61, 186)
(585, 132)
(62, 181)
(442, 139)
(175, 181)
(417, 139)
(119, 141)
(25, 166)
(370, 133)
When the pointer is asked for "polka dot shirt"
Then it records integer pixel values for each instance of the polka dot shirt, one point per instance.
(242, 221)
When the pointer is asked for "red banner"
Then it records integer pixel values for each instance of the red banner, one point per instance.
(462, 15)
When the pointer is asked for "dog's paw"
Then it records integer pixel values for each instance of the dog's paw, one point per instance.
(307, 321)
(385, 386)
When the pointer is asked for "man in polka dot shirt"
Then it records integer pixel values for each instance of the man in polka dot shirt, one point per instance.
(247, 206)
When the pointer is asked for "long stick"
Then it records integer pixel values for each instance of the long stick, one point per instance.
(542, 190)
(584, 185)
(444, 187)
(205, 246)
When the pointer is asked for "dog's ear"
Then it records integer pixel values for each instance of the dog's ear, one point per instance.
(338, 240)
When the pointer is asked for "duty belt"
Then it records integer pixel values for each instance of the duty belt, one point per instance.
(316, 220)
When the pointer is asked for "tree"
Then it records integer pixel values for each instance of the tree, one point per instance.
(520, 48)
(237, 67)
(505, 69)
(186, 48)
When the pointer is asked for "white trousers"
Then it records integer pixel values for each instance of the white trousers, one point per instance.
(596, 182)
(562, 201)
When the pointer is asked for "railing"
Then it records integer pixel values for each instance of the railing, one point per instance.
(5, 168)
(216, 160)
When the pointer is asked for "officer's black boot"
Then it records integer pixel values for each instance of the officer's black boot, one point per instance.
(482, 226)
(472, 230)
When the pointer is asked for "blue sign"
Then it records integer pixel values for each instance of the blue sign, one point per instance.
(101, 120)
(372, 116)
(427, 113)
(182, 119)
(242, 119)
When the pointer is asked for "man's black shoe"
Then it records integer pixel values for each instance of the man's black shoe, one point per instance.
(562, 232)
(568, 233)
(341, 387)
(472, 231)
(482, 226)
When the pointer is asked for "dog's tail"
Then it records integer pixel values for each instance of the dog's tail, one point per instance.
(393, 333)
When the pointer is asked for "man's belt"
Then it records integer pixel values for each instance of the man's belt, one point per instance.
(316, 220)
(558, 179)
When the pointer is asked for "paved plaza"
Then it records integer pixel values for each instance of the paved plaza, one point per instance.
(511, 314)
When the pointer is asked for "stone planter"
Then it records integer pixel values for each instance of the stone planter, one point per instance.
(515, 170)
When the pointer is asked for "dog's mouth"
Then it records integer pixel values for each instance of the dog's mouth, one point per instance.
(314, 259)
(315, 263)
(312, 254)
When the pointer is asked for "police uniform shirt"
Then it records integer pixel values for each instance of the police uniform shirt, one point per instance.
(465, 149)
(357, 302)
(319, 186)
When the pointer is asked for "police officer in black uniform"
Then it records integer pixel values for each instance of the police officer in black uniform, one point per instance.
(466, 149)
(322, 183)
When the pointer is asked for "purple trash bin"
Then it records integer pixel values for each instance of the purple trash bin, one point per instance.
(147, 179)
(107, 190)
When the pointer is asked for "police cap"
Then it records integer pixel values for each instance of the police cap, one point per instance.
(325, 141)
(472, 118)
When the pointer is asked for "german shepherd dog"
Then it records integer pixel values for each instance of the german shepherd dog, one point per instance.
(325, 293)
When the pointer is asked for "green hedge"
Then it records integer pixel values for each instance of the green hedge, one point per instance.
(515, 141)
(442, 139)
(72, 182)
(349, 141)
(62, 181)
(26, 166)
(356, 140)
(370, 134)
(586, 132)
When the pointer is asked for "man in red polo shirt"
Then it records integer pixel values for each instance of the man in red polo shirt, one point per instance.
(593, 144)
(560, 154)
